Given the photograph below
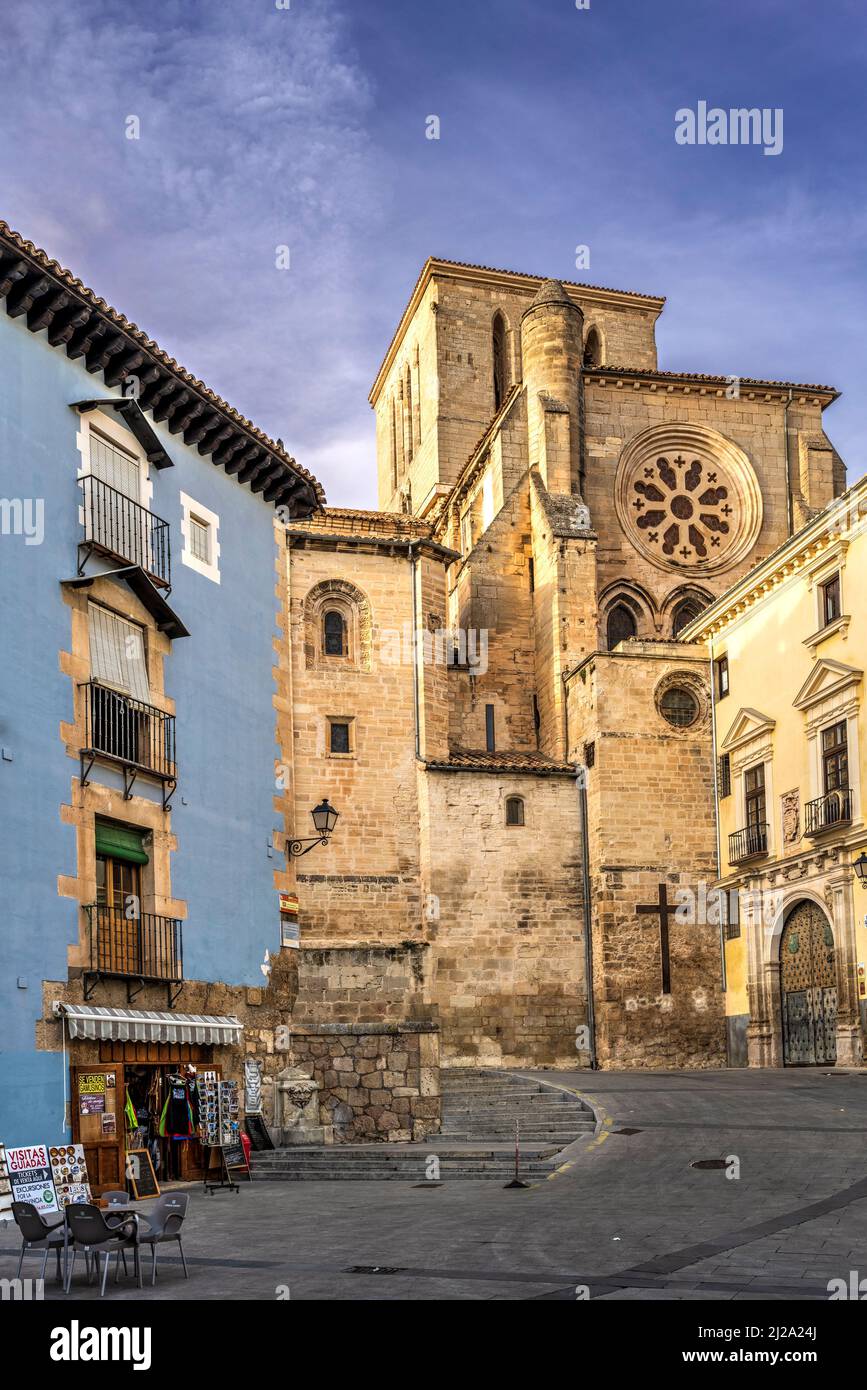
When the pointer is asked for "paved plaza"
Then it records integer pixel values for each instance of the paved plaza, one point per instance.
(625, 1217)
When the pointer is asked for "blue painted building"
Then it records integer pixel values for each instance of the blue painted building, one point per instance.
(138, 735)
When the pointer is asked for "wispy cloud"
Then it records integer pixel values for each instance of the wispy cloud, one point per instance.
(252, 136)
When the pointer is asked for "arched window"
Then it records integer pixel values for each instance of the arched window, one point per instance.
(684, 612)
(501, 375)
(334, 633)
(593, 349)
(621, 625)
(393, 445)
(409, 420)
(514, 810)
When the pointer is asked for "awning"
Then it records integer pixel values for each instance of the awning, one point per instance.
(119, 842)
(146, 1025)
(136, 579)
(129, 408)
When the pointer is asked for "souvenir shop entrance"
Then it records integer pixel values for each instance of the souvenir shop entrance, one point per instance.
(141, 1096)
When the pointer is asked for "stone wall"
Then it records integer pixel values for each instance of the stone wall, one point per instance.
(377, 1082)
(651, 821)
(507, 942)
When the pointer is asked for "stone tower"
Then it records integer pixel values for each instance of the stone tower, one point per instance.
(552, 346)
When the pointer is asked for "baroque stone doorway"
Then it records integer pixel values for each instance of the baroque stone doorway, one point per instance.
(808, 985)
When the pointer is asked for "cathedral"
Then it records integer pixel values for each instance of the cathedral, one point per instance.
(486, 678)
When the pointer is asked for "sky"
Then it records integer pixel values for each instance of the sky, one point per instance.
(269, 222)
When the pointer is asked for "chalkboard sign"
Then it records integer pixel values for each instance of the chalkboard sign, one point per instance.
(140, 1174)
(233, 1156)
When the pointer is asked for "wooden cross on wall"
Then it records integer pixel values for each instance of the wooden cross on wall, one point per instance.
(662, 909)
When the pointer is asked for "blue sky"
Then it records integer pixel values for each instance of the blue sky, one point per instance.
(305, 127)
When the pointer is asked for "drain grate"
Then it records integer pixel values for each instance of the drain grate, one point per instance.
(709, 1163)
(375, 1269)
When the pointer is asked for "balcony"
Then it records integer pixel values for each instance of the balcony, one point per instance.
(748, 843)
(118, 527)
(147, 949)
(139, 737)
(834, 808)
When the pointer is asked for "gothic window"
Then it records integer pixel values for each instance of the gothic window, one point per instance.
(334, 633)
(408, 416)
(621, 625)
(514, 810)
(501, 375)
(592, 349)
(393, 427)
(684, 613)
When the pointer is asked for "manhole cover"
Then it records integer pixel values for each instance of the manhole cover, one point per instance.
(375, 1269)
(627, 1131)
(709, 1163)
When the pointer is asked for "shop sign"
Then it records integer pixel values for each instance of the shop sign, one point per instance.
(30, 1176)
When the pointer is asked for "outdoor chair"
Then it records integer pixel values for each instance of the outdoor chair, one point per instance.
(165, 1219)
(37, 1235)
(90, 1232)
(117, 1219)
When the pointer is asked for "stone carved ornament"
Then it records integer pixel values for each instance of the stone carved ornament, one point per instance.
(791, 806)
(688, 498)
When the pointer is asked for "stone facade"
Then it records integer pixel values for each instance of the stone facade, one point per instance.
(542, 482)
(377, 1082)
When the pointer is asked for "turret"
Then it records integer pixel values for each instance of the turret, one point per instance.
(552, 338)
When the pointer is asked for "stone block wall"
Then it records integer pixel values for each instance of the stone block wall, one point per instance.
(651, 821)
(377, 1082)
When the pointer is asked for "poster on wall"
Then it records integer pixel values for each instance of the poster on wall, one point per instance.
(30, 1177)
(69, 1171)
(252, 1087)
(91, 1093)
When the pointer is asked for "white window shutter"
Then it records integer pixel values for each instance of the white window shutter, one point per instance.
(117, 655)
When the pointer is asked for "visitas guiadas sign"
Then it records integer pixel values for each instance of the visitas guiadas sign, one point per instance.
(31, 1178)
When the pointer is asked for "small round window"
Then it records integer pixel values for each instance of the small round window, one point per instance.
(679, 706)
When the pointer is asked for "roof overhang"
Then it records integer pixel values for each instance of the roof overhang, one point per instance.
(49, 299)
(133, 415)
(147, 593)
(147, 1025)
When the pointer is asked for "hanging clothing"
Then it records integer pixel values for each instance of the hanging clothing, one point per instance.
(176, 1120)
(129, 1110)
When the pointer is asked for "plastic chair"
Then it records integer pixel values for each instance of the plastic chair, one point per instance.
(116, 1219)
(37, 1235)
(90, 1232)
(165, 1219)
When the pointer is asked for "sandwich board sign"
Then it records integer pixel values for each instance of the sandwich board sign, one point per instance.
(31, 1178)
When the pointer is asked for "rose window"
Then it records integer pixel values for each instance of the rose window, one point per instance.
(688, 498)
(682, 507)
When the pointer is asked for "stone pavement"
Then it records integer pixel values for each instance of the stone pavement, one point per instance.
(628, 1216)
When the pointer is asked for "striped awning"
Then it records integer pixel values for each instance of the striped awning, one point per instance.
(147, 1025)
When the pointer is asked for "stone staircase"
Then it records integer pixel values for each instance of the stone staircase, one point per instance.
(477, 1140)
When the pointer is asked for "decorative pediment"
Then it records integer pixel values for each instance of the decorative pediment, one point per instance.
(827, 678)
(748, 724)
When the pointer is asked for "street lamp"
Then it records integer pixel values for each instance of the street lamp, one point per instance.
(861, 868)
(324, 818)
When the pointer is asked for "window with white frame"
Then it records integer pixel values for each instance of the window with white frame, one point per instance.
(117, 653)
(200, 531)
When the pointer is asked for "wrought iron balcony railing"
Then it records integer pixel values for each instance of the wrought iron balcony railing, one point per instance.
(116, 526)
(749, 842)
(144, 948)
(834, 808)
(138, 736)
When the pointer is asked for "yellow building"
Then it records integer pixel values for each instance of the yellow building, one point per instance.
(789, 648)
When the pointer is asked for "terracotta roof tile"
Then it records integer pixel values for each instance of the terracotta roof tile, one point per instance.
(42, 260)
